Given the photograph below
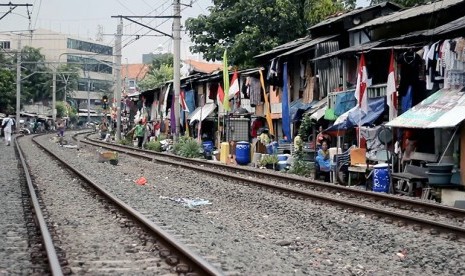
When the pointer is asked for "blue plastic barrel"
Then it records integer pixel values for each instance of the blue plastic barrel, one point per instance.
(243, 153)
(207, 146)
(381, 178)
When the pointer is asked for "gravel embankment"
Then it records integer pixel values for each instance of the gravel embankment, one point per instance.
(18, 252)
(90, 237)
(255, 232)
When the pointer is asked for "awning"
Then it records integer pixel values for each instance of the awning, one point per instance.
(317, 115)
(297, 109)
(200, 113)
(443, 109)
(366, 47)
(352, 117)
(317, 106)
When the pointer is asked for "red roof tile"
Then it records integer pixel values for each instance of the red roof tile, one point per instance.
(134, 71)
(204, 67)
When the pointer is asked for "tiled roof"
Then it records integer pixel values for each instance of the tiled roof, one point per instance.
(134, 71)
(203, 67)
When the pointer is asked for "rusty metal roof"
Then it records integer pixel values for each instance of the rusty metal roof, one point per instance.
(409, 13)
(341, 16)
(308, 45)
(288, 45)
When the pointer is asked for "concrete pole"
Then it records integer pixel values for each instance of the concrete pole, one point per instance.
(88, 97)
(54, 95)
(119, 34)
(18, 83)
(176, 63)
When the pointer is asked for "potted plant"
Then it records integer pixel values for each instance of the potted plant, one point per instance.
(269, 161)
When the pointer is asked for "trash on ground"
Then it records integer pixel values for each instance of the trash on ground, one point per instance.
(141, 181)
(188, 202)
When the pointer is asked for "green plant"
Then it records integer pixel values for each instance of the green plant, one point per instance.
(190, 149)
(125, 141)
(154, 146)
(300, 166)
(179, 145)
(269, 160)
(306, 127)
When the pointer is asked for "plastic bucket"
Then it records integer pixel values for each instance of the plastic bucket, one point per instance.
(381, 178)
(439, 178)
(243, 153)
(440, 168)
(208, 146)
(282, 157)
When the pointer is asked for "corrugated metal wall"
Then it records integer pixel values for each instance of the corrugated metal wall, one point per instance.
(329, 70)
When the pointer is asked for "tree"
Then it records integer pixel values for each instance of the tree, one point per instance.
(7, 91)
(160, 71)
(37, 77)
(249, 27)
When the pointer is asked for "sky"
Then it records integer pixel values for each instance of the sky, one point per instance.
(82, 18)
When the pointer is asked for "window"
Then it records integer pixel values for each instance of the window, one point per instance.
(4, 44)
(89, 47)
(94, 85)
(91, 64)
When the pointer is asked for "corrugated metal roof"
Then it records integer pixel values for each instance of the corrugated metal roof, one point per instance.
(285, 46)
(350, 13)
(446, 28)
(308, 45)
(409, 13)
(352, 49)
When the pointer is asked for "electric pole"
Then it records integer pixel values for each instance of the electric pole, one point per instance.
(54, 95)
(119, 34)
(18, 83)
(176, 62)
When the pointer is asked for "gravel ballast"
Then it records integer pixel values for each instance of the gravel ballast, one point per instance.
(253, 232)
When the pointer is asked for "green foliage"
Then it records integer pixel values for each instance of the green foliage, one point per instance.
(37, 85)
(306, 127)
(301, 167)
(239, 25)
(156, 77)
(125, 141)
(187, 147)
(7, 91)
(67, 80)
(154, 146)
(269, 159)
(160, 60)
(61, 109)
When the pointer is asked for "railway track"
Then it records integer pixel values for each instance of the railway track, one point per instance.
(76, 237)
(435, 218)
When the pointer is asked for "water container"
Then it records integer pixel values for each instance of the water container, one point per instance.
(243, 153)
(381, 178)
(207, 146)
(224, 152)
(282, 157)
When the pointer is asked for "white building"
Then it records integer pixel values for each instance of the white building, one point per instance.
(95, 60)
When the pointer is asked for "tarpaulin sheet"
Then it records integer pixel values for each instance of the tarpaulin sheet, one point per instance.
(443, 109)
(352, 117)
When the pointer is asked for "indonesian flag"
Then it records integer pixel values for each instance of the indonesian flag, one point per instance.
(183, 101)
(361, 89)
(234, 88)
(391, 91)
(220, 95)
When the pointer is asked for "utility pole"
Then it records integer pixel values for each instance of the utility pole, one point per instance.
(18, 83)
(119, 34)
(177, 62)
(54, 95)
(88, 97)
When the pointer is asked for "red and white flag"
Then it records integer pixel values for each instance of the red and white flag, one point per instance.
(220, 95)
(361, 89)
(234, 88)
(182, 101)
(391, 90)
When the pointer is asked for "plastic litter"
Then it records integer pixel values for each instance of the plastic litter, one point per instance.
(188, 202)
(141, 181)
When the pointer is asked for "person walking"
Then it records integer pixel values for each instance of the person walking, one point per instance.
(61, 130)
(7, 126)
(139, 132)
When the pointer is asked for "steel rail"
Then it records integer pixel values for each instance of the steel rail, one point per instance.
(362, 207)
(52, 257)
(193, 258)
(421, 205)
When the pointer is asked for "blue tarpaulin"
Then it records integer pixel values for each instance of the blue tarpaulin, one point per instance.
(344, 102)
(285, 107)
(298, 108)
(189, 96)
(352, 117)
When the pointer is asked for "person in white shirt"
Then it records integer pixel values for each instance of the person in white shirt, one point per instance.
(7, 126)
